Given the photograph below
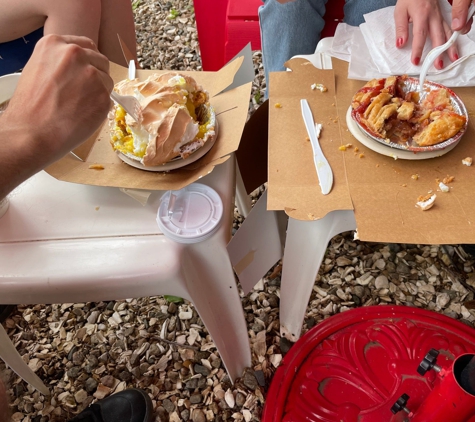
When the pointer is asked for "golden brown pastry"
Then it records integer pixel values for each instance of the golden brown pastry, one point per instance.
(444, 127)
(384, 109)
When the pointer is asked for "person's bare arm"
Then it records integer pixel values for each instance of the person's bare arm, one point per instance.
(459, 16)
(61, 99)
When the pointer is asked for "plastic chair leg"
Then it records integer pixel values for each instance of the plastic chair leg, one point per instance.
(243, 200)
(9, 354)
(305, 248)
(217, 301)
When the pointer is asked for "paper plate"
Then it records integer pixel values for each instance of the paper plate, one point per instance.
(385, 149)
(411, 85)
(177, 162)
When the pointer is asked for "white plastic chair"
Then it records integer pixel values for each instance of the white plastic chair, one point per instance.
(63, 242)
(305, 248)
(256, 245)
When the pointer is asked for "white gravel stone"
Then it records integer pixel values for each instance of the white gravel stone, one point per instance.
(381, 282)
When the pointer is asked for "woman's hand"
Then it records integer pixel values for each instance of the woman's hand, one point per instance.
(459, 16)
(427, 21)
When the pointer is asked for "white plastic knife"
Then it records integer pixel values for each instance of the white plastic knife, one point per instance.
(324, 171)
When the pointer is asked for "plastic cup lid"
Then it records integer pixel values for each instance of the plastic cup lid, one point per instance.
(191, 214)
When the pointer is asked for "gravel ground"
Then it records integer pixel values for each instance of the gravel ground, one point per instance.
(87, 351)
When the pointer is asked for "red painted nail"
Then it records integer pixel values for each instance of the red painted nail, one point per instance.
(441, 64)
(417, 60)
(399, 42)
(456, 56)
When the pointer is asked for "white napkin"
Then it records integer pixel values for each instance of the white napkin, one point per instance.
(372, 53)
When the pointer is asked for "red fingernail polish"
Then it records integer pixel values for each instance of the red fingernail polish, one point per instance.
(399, 42)
(417, 60)
(441, 64)
(456, 56)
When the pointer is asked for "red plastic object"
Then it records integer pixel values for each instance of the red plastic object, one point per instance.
(354, 366)
(226, 26)
(242, 27)
(448, 401)
(210, 19)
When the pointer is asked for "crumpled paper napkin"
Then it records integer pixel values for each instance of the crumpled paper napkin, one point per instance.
(371, 51)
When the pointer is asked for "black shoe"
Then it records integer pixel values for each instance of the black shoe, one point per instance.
(5, 311)
(130, 405)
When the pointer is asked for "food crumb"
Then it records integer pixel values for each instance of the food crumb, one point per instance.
(97, 208)
(345, 147)
(278, 105)
(361, 155)
(96, 167)
(356, 149)
(415, 176)
(467, 161)
(377, 165)
(443, 187)
(307, 139)
(448, 179)
(404, 185)
(425, 202)
(320, 87)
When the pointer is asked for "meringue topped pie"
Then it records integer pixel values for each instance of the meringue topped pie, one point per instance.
(387, 110)
(177, 119)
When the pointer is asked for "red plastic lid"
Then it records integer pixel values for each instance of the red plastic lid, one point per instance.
(355, 365)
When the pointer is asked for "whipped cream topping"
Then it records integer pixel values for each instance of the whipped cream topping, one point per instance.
(169, 123)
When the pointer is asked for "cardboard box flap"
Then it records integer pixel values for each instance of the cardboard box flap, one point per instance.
(231, 109)
(245, 73)
(252, 153)
(293, 182)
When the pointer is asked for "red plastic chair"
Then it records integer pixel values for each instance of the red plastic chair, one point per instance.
(226, 26)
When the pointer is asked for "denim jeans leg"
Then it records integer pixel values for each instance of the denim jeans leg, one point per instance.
(355, 9)
(289, 29)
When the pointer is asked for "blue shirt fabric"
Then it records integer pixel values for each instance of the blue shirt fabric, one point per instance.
(14, 54)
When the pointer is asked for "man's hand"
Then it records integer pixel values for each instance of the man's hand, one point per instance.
(459, 16)
(61, 99)
(63, 93)
(427, 21)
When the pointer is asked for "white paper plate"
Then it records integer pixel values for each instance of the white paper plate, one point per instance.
(176, 163)
(383, 149)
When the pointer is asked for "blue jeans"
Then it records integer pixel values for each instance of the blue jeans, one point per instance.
(294, 28)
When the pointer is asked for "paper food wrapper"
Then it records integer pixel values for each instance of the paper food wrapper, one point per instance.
(380, 190)
(371, 51)
(229, 90)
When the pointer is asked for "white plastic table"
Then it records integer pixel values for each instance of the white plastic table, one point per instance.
(62, 242)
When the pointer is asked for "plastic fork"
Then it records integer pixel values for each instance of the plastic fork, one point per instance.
(437, 51)
(130, 104)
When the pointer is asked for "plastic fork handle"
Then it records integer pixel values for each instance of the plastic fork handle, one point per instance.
(430, 58)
